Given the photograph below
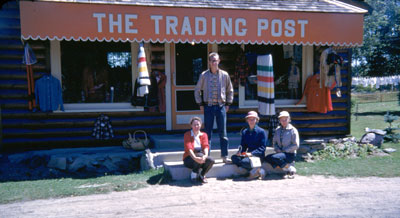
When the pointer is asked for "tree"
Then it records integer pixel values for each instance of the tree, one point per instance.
(380, 53)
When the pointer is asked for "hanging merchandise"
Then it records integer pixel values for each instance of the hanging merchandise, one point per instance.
(273, 123)
(265, 82)
(102, 128)
(144, 78)
(318, 99)
(288, 51)
(293, 79)
(241, 69)
(136, 99)
(197, 64)
(152, 99)
(49, 93)
(330, 64)
(161, 82)
(29, 58)
(149, 99)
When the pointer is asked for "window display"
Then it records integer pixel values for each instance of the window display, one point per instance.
(96, 72)
(287, 61)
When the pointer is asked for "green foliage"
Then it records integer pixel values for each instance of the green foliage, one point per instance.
(380, 53)
(343, 150)
(391, 135)
(390, 118)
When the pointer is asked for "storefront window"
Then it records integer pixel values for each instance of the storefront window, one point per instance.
(191, 60)
(287, 62)
(96, 72)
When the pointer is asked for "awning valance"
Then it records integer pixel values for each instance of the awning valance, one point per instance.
(114, 22)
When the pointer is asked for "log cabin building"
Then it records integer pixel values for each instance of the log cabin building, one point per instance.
(91, 48)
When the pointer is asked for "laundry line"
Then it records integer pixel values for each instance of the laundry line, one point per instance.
(376, 81)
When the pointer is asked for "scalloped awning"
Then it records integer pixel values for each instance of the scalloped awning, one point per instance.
(116, 22)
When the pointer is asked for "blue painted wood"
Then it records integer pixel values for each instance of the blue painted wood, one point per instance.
(324, 121)
(13, 92)
(322, 129)
(10, 32)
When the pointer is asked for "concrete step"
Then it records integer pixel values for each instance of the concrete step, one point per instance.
(161, 157)
(220, 170)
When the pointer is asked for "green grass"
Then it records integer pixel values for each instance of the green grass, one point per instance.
(369, 115)
(55, 188)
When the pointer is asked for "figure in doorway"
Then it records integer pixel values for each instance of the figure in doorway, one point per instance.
(294, 79)
(94, 84)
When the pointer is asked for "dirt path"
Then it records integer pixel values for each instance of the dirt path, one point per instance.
(314, 196)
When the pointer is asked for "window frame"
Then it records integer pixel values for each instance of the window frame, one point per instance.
(55, 63)
(307, 70)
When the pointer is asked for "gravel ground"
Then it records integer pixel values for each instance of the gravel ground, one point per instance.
(314, 196)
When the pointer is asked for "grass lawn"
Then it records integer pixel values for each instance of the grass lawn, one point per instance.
(54, 188)
(369, 115)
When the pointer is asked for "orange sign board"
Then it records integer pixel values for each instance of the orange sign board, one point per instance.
(112, 22)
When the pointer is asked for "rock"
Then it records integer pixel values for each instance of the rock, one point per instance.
(110, 165)
(91, 168)
(389, 150)
(78, 163)
(18, 158)
(57, 163)
(37, 161)
(313, 141)
(340, 146)
(146, 161)
(377, 131)
(307, 158)
(95, 163)
(380, 153)
(333, 141)
(346, 139)
(372, 138)
(319, 146)
(303, 149)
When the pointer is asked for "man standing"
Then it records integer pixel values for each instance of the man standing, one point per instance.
(217, 96)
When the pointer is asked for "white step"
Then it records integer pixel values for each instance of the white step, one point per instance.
(220, 170)
(160, 157)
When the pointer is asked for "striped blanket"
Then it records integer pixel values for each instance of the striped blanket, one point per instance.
(265, 84)
(144, 79)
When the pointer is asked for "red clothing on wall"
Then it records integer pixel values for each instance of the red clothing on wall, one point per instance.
(318, 99)
(188, 141)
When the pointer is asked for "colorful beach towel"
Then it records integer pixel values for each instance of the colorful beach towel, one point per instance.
(265, 85)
